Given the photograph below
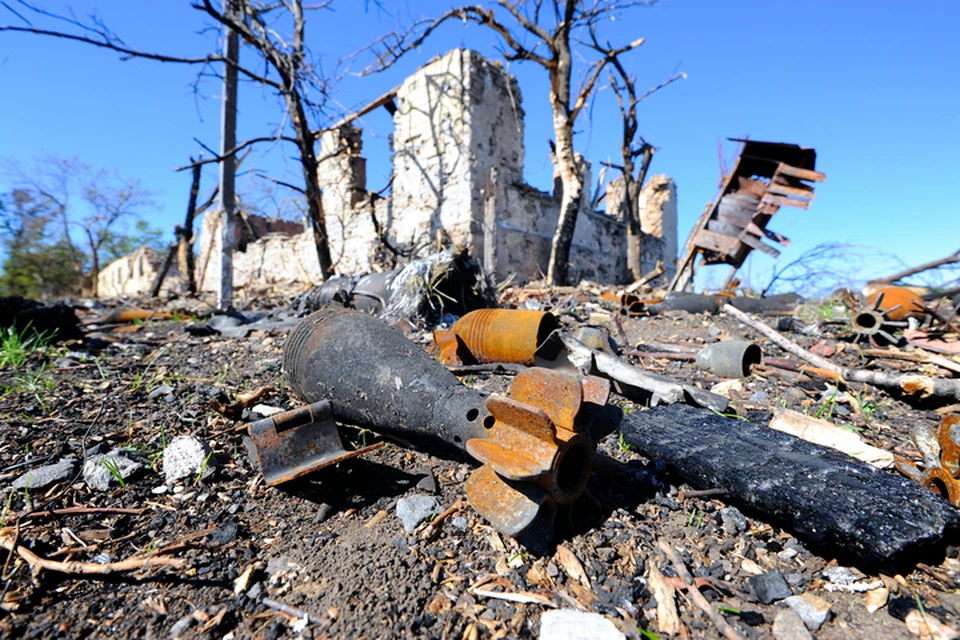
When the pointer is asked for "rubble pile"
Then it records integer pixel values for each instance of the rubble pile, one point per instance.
(578, 460)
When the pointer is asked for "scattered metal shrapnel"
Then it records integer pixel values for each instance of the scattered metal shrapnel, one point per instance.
(294, 443)
(943, 475)
(730, 358)
(877, 318)
(495, 335)
(535, 444)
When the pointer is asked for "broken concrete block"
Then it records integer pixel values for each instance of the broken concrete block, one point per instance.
(43, 477)
(184, 457)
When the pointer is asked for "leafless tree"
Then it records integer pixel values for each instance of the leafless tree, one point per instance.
(556, 26)
(632, 147)
(111, 202)
(287, 69)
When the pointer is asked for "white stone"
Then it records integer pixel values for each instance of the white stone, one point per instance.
(570, 624)
(184, 457)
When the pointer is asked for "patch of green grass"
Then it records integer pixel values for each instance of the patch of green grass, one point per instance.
(827, 407)
(16, 347)
(696, 518)
(203, 468)
(646, 633)
(624, 446)
(114, 468)
(732, 610)
(6, 510)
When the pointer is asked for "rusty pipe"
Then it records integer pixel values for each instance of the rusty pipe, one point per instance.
(495, 335)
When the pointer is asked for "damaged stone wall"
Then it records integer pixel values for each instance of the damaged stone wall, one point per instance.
(134, 273)
(658, 221)
(457, 178)
(458, 174)
(266, 252)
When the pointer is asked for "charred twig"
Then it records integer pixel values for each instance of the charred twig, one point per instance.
(722, 625)
(918, 356)
(38, 563)
(71, 511)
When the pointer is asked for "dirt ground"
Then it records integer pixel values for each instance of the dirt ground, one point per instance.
(331, 545)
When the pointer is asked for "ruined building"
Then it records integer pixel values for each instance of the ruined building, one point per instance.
(457, 178)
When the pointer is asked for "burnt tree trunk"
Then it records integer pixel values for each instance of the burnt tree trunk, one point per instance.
(631, 205)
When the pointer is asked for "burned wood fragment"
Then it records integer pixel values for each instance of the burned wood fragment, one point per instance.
(827, 499)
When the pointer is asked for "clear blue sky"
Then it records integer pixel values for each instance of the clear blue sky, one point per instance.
(873, 86)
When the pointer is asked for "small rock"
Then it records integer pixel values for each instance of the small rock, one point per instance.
(265, 411)
(181, 626)
(460, 523)
(759, 396)
(225, 533)
(43, 477)
(412, 510)
(275, 630)
(323, 512)
(812, 609)
(428, 483)
(789, 626)
(769, 587)
(714, 331)
(842, 575)
(570, 624)
(160, 391)
(184, 457)
(100, 478)
(733, 521)
(793, 395)
(64, 363)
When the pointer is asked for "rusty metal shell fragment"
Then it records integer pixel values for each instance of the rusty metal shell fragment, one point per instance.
(495, 335)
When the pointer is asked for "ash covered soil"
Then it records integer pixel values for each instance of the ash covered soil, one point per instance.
(211, 552)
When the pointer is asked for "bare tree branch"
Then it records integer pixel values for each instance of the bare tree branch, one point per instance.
(240, 147)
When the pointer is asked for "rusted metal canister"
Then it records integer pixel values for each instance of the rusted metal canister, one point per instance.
(495, 335)
(730, 359)
(897, 303)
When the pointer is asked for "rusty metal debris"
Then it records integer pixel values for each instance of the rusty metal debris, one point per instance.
(885, 311)
(535, 444)
(941, 456)
(495, 335)
(294, 443)
(565, 352)
(766, 176)
(730, 358)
